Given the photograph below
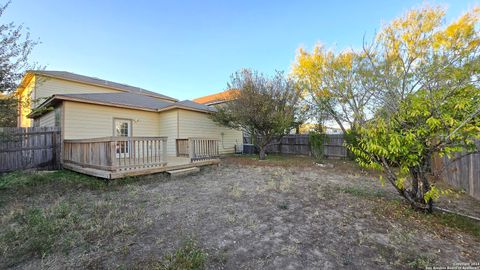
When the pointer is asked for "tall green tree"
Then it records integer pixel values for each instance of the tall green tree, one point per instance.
(265, 107)
(427, 76)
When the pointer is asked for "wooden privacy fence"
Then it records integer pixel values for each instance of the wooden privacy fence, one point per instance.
(27, 148)
(290, 144)
(299, 144)
(463, 172)
(334, 146)
(117, 153)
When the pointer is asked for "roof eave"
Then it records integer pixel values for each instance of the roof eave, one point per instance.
(52, 99)
(24, 82)
(172, 107)
(38, 111)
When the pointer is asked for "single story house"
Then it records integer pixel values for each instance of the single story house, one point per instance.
(88, 108)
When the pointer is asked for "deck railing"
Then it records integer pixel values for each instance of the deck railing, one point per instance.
(202, 149)
(117, 153)
(182, 147)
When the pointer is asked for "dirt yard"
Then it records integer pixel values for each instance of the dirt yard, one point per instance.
(245, 214)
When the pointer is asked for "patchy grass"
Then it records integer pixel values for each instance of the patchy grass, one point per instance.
(36, 232)
(63, 179)
(246, 217)
(27, 180)
(272, 160)
(458, 222)
(53, 212)
(400, 211)
(189, 256)
(342, 166)
(63, 226)
(362, 192)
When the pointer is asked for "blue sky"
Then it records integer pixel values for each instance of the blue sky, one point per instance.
(188, 49)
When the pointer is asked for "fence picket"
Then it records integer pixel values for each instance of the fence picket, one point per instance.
(26, 148)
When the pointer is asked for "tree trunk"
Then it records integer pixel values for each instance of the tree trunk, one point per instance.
(426, 188)
(262, 153)
(414, 191)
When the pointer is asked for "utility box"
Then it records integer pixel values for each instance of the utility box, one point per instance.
(249, 149)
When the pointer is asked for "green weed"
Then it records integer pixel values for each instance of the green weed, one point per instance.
(188, 257)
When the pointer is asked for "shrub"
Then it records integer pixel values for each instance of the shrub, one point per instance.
(317, 141)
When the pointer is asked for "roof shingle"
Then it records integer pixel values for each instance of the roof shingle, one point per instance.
(128, 100)
(100, 82)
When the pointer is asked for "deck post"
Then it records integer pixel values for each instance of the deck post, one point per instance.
(111, 160)
(164, 150)
(191, 148)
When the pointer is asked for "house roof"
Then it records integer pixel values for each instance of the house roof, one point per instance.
(124, 100)
(218, 97)
(99, 82)
(193, 105)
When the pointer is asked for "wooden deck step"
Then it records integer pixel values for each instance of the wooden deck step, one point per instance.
(186, 171)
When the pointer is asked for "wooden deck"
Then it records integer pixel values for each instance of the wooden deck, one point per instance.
(173, 163)
(118, 157)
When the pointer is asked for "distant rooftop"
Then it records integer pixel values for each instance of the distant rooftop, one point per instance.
(217, 98)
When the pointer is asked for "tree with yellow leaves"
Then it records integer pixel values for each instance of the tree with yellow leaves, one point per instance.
(336, 83)
(415, 50)
(427, 79)
(421, 77)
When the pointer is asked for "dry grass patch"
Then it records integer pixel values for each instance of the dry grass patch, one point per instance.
(398, 210)
(245, 217)
(189, 256)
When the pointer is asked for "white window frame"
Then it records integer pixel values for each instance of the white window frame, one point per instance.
(125, 152)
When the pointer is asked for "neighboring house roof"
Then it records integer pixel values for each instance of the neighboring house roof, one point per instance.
(98, 82)
(124, 100)
(217, 98)
(193, 105)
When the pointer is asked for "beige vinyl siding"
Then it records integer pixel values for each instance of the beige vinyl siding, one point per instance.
(168, 128)
(83, 121)
(47, 120)
(196, 124)
(26, 97)
(46, 87)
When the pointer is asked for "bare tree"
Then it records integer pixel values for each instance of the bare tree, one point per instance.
(265, 107)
